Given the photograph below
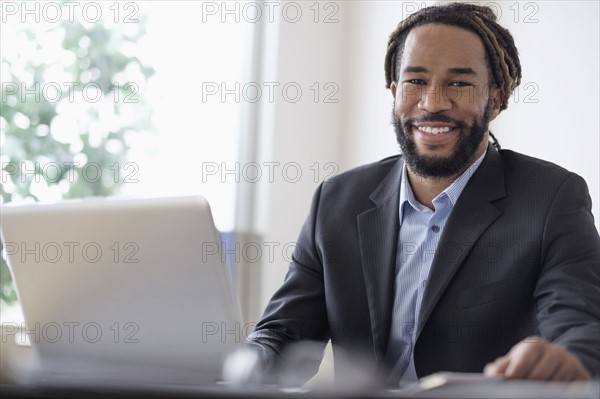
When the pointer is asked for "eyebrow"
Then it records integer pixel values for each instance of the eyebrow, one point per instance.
(463, 71)
(454, 71)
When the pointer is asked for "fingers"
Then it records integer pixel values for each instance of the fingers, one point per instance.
(547, 366)
(524, 357)
(571, 370)
(498, 367)
(536, 359)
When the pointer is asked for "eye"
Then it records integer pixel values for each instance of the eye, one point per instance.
(415, 81)
(460, 84)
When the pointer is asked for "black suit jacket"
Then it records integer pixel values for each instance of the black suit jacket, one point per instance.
(519, 256)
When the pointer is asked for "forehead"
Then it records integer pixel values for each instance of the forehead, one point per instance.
(444, 46)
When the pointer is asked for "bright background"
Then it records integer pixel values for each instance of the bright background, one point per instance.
(336, 49)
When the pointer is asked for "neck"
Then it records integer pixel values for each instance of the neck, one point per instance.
(426, 188)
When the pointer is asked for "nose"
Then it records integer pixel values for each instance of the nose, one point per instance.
(434, 99)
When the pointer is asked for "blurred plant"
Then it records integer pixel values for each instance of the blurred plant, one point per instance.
(70, 102)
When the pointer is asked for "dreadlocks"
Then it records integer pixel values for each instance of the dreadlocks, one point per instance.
(501, 54)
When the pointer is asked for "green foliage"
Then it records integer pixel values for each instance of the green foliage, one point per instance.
(62, 138)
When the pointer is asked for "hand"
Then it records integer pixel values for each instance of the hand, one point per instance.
(537, 359)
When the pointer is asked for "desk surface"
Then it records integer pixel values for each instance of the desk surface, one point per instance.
(505, 389)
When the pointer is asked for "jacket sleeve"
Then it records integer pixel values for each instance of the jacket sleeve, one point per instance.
(297, 311)
(567, 292)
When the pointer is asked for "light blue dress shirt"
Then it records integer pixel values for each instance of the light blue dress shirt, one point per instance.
(420, 232)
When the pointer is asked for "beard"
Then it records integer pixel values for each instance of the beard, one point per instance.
(469, 139)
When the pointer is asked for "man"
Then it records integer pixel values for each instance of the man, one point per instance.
(455, 256)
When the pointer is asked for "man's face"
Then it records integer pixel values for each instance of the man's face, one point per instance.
(443, 102)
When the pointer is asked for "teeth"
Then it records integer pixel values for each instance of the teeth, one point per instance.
(434, 130)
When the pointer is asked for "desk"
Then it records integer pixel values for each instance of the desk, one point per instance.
(490, 389)
(505, 389)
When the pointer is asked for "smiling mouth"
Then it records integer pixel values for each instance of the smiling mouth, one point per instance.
(434, 130)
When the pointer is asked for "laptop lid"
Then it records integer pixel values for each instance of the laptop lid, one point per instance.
(133, 289)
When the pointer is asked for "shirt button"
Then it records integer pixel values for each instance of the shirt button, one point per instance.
(435, 229)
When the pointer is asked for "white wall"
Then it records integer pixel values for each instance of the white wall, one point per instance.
(559, 54)
(300, 137)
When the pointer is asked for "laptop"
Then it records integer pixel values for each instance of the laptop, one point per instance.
(123, 292)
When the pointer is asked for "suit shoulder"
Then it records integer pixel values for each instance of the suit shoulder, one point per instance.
(525, 166)
(359, 182)
(514, 157)
(371, 170)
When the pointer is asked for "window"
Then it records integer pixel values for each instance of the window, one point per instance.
(120, 98)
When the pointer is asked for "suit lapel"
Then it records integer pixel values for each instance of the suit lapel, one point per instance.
(378, 237)
(470, 217)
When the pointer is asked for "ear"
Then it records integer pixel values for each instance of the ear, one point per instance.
(393, 87)
(496, 96)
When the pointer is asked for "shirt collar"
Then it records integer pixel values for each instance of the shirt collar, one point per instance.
(452, 192)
